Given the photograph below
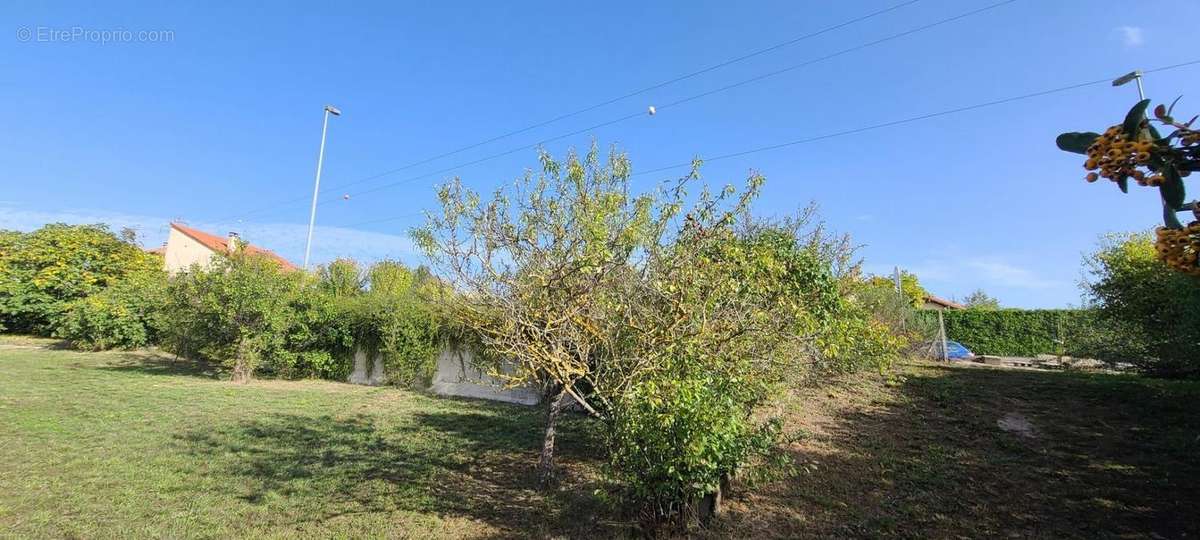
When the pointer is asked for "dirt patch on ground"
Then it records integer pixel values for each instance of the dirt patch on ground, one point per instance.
(947, 452)
(1017, 424)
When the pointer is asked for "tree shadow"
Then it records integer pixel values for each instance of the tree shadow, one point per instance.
(160, 364)
(469, 464)
(1108, 456)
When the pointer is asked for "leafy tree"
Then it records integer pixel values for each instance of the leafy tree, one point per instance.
(341, 277)
(981, 300)
(390, 278)
(533, 269)
(729, 314)
(238, 312)
(910, 287)
(43, 271)
(1158, 309)
(674, 327)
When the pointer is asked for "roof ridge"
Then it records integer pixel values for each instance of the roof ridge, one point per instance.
(221, 244)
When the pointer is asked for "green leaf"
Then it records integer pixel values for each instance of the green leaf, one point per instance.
(1123, 183)
(1172, 190)
(1169, 218)
(1135, 117)
(1154, 134)
(1171, 109)
(1076, 142)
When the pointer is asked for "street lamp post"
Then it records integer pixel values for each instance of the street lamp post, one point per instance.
(1132, 76)
(312, 216)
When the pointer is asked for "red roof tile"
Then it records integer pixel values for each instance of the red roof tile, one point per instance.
(221, 244)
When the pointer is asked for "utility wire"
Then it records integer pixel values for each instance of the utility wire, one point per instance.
(684, 100)
(622, 97)
(871, 127)
(913, 119)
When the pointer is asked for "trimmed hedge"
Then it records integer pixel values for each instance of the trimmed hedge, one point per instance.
(1015, 332)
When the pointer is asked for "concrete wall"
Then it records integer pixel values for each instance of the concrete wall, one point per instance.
(367, 370)
(456, 375)
(183, 251)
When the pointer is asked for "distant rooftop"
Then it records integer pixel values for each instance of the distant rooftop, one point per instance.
(220, 244)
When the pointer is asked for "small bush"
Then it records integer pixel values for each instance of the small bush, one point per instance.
(126, 315)
(675, 441)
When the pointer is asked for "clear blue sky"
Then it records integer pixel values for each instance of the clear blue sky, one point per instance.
(225, 117)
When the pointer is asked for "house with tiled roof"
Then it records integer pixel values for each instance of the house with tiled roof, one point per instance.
(187, 246)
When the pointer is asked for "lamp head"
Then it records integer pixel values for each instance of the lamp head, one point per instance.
(1123, 79)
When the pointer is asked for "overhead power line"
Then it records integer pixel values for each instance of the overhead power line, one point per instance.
(871, 127)
(619, 98)
(683, 100)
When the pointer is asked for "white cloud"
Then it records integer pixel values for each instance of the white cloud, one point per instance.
(286, 239)
(1131, 35)
(955, 277)
(996, 272)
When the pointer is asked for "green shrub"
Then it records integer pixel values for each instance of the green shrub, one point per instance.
(127, 314)
(749, 305)
(897, 327)
(1156, 309)
(247, 314)
(393, 317)
(317, 341)
(676, 440)
(855, 340)
(42, 272)
(238, 313)
(1014, 332)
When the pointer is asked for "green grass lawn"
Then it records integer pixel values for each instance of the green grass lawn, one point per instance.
(141, 445)
(138, 445)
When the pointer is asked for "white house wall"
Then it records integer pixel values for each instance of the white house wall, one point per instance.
(183, 251)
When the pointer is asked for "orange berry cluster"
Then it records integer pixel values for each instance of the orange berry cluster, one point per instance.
(1179, 248)
(1117, 156)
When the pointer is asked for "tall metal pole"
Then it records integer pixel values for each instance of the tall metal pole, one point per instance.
(312, 216)
(1141, 93)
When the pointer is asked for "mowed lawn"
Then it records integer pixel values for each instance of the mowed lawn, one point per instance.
(142, 445)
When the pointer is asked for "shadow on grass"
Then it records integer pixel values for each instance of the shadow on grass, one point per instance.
(1110, 456)
(476, 464)
(160, 364)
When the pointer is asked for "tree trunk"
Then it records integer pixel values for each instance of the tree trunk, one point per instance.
(241, 369)
(546, 463)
